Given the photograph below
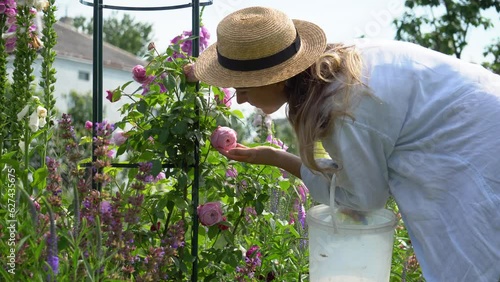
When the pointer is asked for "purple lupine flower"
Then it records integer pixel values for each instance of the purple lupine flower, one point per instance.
(105, 207)
(54, 182)
(144, 174)
(175, 236)
(66, 125)
(52, 256)
(301, 215)
(303, 191)
(53, 261)
(275, 197)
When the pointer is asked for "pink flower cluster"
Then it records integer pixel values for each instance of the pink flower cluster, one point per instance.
(186, 43)
(224, 138)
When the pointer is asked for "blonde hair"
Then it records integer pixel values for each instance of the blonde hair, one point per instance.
(313, 105)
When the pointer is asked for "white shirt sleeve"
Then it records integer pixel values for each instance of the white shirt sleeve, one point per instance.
(361, 152)
(362, 181)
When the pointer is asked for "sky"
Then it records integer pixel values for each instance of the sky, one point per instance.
(341, 20)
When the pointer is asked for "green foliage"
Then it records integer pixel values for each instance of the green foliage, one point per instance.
(125, 33)
(494, 51)
(444, 25)
(4, 117)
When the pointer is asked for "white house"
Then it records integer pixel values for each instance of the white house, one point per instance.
(73, 65)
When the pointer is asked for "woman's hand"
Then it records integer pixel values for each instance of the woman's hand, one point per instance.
(255, 155)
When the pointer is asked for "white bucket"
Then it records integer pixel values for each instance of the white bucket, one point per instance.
(348, 250)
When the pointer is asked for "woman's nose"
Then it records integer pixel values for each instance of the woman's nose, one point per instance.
(241, 98)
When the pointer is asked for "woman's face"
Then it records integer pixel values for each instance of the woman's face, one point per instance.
(268, 98)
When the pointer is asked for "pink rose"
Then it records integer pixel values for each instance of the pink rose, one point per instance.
(224, 138)
(210, 213)
(139, 74)
(189, 73)
(119, 137)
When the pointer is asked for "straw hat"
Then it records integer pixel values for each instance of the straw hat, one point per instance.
(259, 46)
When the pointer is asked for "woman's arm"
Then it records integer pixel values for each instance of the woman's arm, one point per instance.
(265, 155)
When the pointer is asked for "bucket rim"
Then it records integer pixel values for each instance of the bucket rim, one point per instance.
(386, 226)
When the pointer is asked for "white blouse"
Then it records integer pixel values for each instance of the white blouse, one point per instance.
(430, 138)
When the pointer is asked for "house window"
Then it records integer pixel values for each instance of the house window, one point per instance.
(83, 75)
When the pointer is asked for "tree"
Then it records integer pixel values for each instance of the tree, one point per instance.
(125, 33)
(494, 51)
(443, 25)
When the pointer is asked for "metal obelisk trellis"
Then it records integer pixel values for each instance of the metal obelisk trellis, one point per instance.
(97, 91)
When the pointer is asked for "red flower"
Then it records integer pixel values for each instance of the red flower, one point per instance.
(223, 226)
(155, 227)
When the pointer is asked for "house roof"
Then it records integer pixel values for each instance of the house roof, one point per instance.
(73, 44)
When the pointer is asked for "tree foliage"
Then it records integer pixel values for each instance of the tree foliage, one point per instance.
(443, 25)
(124, 32)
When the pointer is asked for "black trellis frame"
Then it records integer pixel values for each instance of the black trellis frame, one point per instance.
(97, 94)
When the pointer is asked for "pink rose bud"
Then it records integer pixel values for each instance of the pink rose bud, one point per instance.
(210, 213)
(224, 138)
(139, 74)
(151, 46)
(189, 73)
(88, 125)
(112, 96)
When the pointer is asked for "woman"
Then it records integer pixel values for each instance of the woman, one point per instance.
(397, 118)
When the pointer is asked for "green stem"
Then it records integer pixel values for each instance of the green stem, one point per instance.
(238, 220)
(76, 205)
(27, 141)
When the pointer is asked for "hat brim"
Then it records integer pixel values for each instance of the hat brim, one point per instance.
(313, 44)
